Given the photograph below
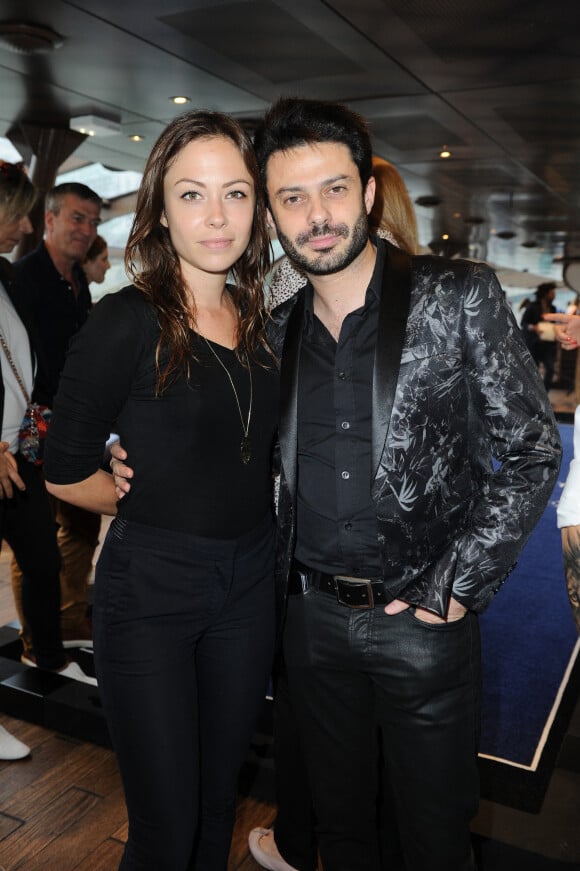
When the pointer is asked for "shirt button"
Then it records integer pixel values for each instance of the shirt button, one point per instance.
(342, 376)
(345, 476)
(348, 526)
(345, 424)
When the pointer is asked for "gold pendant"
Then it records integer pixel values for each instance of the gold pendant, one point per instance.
(245, 450)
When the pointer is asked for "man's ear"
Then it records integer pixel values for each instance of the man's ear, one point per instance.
(270, 220)
(370, 192)
(49, 220)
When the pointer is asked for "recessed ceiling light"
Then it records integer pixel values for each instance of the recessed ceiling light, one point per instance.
(445, 236)
(95, 125)
(444, 153)
(179, 101)
(136, 137)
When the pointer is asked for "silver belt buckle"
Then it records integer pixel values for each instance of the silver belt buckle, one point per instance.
(342, 590)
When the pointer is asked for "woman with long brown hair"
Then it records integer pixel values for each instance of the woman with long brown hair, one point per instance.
(177, 365)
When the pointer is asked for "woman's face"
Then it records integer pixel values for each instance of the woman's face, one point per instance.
(11, 232)
(96, 269)
(209, 203)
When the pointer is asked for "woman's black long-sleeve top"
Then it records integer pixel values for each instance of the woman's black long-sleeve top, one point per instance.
(183, 445)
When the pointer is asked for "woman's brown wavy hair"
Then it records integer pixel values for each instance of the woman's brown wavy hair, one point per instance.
(153, 265)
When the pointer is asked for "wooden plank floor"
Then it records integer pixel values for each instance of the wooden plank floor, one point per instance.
(62, 809)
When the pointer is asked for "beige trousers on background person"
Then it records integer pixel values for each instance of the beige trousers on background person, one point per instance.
(78, 537)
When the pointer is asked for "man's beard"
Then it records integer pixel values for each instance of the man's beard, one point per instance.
(327, 262)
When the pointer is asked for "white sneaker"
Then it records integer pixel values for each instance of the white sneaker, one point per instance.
(72, 670)
(75, 672)
(10, 747)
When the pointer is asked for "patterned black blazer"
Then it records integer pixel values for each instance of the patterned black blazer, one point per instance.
(465, 448)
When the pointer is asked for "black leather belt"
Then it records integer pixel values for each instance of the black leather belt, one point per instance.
(362, 593)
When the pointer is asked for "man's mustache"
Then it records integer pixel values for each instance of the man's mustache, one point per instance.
(323, 230)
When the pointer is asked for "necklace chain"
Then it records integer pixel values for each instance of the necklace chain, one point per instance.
(245, 446)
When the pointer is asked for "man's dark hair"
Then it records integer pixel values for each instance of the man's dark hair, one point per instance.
(56, 195)
(291, 122)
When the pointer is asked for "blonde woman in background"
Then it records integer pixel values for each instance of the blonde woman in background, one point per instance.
(392, 215)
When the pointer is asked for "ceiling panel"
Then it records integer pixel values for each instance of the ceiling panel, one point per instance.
(497, 82)
(275, 30)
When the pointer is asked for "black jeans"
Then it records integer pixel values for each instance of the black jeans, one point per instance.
(183, 636)
(295, 823)
(349, 670)
(27, 524)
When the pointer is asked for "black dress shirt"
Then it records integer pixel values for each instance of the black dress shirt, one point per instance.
(58, 313)
(336, 519)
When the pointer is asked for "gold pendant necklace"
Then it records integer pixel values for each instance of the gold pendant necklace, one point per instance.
(245, 446)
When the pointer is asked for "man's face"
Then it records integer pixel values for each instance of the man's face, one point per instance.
(73, 230)
(318, 206)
